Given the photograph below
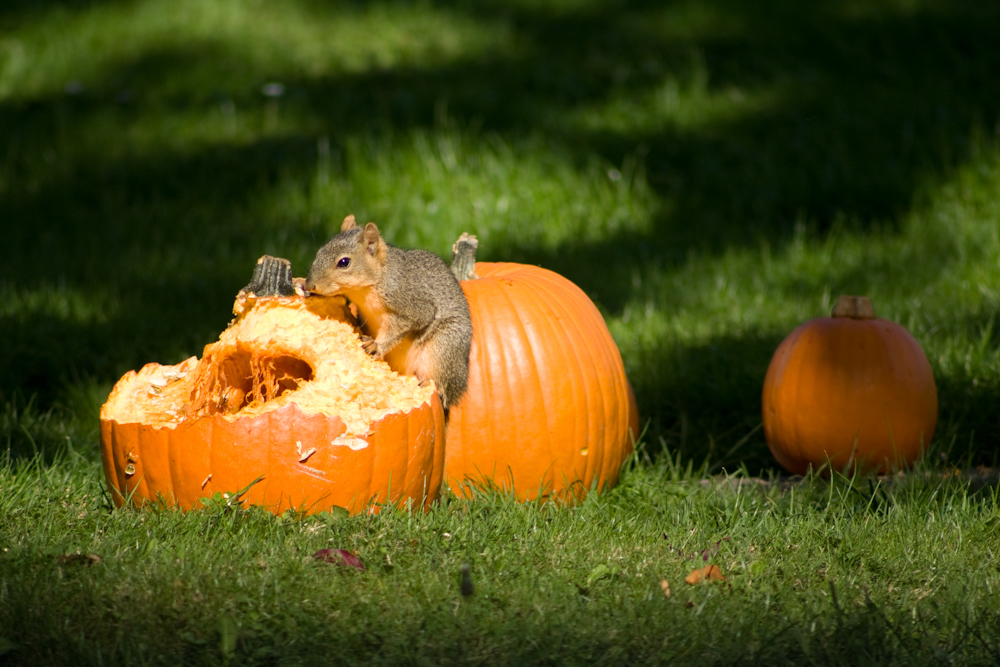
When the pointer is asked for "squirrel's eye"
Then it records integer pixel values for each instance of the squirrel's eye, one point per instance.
(343, 262)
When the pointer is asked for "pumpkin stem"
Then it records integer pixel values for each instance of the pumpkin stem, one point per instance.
(854, 307)
(272, 276)
(463, 258)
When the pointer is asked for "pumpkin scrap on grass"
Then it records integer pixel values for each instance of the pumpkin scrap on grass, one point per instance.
(549, 411)
(707, 573)
(850, 390)
(287, 395)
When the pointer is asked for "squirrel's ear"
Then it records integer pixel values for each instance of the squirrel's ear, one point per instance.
(372, 240)
(348, 223)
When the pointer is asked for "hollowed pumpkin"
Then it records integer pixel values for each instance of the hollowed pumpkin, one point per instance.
(549, 411)
(849, 391)
(287, 396)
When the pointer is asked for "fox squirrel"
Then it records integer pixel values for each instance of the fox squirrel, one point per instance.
(409, 304)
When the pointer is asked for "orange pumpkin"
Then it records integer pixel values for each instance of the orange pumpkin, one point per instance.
(548, 410)
(286, 395)
(850, 391)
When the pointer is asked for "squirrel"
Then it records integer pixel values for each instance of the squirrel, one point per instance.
(409, 304)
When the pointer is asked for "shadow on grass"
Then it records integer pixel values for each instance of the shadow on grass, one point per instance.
(826, 113)
(14, 11)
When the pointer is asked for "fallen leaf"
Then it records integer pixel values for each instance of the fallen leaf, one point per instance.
(665, 587)
(339, 557)
(707, 573)
(78, 559)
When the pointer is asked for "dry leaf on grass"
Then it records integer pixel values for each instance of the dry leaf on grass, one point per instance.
(339, 557)
(707, 573)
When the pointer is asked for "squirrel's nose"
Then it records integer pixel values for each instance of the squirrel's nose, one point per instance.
(304, 287)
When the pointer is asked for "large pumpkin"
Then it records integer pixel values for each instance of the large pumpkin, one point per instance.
(847, 391)
(287, 398)
(549, 410)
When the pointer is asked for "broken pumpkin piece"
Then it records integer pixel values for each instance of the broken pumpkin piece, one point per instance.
(280, 392)
(707, 573)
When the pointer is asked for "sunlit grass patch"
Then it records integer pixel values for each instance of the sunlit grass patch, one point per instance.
(681, 101)
(163, 50)
(426, 187)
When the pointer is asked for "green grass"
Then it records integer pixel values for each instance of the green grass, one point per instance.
(711, 172)
(848, 572)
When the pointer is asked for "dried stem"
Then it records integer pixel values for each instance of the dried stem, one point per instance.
(854, 307)
(463, 259)
(272, 276)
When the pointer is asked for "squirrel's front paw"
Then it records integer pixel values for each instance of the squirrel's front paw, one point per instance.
(370, 345)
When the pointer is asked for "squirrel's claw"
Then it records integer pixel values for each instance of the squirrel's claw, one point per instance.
(369, 345)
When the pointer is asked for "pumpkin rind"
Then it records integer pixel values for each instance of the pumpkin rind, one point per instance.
(849, 392)
(399, 457)
(548, 410)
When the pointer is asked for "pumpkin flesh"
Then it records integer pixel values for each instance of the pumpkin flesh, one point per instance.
(286, 395)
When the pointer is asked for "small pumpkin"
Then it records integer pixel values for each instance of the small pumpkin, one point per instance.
(850, 390)
(549, 411)
(286, 403)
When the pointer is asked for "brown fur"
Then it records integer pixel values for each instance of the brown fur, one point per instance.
(408, 302)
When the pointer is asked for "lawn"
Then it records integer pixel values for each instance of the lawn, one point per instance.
(711, 172)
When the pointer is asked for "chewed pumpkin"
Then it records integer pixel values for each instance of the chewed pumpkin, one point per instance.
(849, 391)
(549, 411)
(286, 403)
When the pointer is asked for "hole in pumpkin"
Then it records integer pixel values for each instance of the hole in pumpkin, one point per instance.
(246, 378)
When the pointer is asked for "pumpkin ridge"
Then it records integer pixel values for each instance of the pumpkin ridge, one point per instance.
(168, 473)
(499, 356)
(526, 343)
(119, 455)
(407, 463)
(606, 385)
(546, 327)
(155, 451)
(580, 333)
(269, 459)
(118, 464)
(793, 372)
(586, 427)
(585, 330)
(469, 432)
(438, 454)
(581, 330)
(139, 477)
(404, 481)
